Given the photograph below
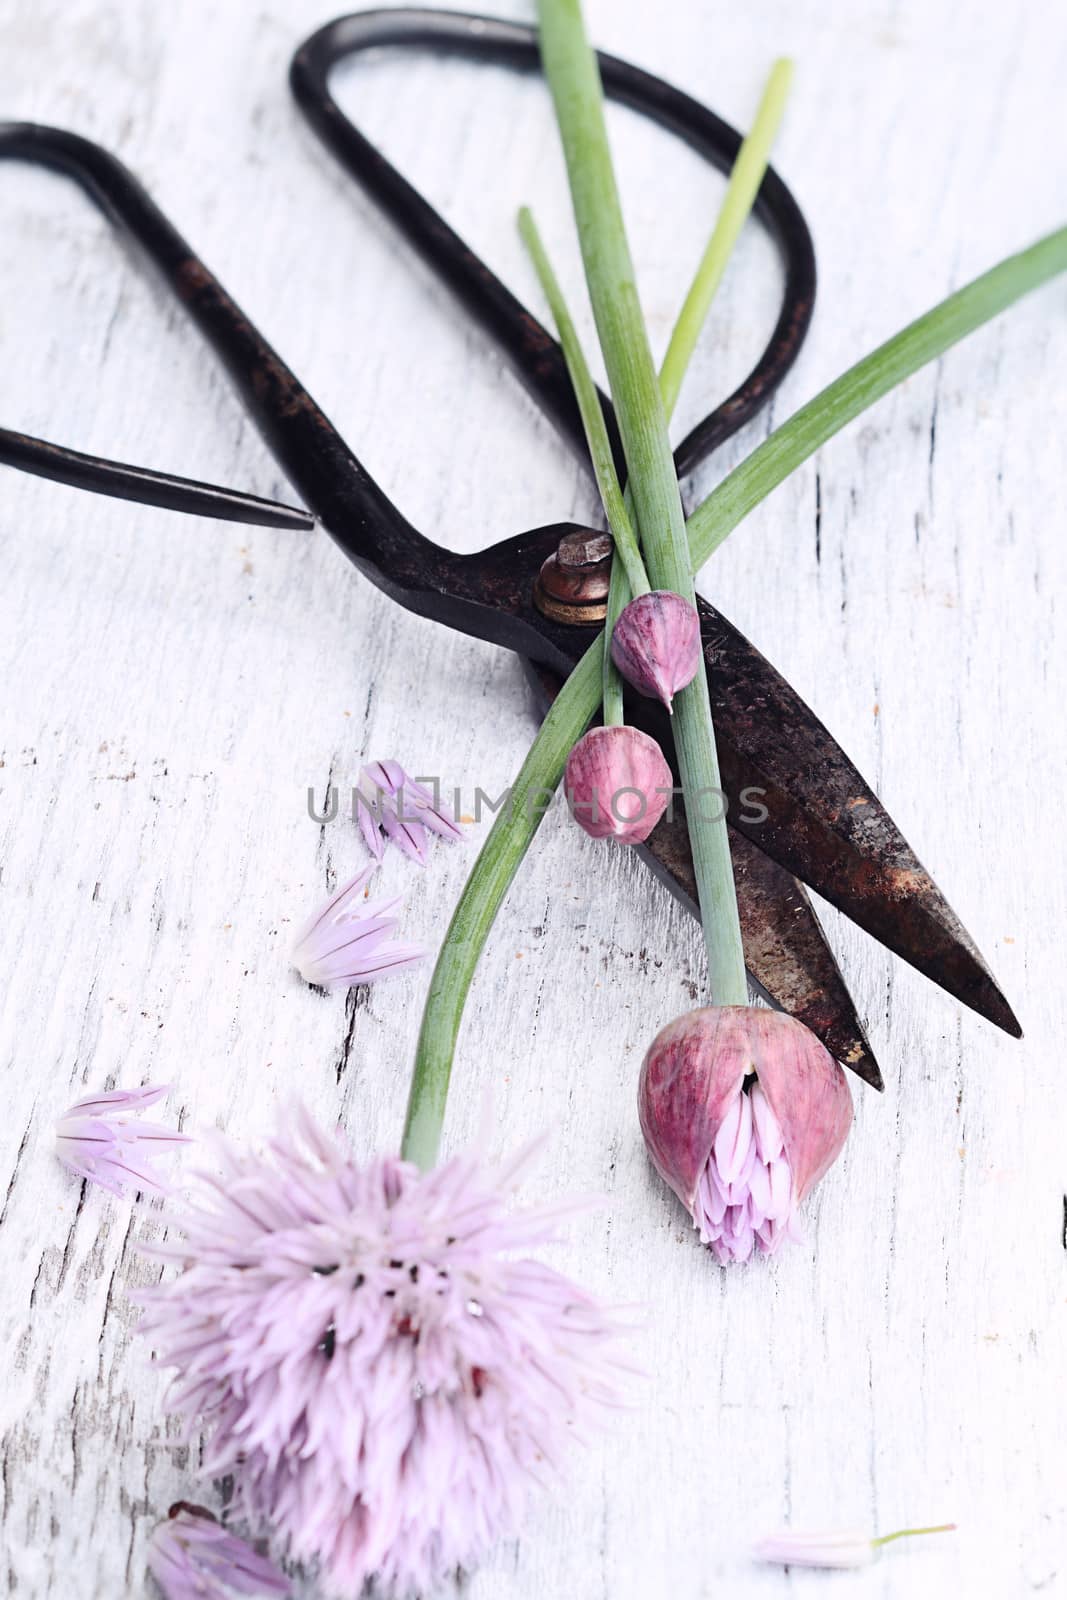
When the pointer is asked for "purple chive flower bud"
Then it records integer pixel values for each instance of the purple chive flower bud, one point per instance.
(192, 1557)
(95, 1140)
(378, 1360)
(348, 943)
(393, 808)
(656, 644)
(742, 1156)
(617, 784)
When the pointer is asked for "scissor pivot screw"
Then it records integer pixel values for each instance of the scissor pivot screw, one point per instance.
(572, 585)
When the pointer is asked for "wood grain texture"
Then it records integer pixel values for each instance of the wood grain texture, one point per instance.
(172, 687)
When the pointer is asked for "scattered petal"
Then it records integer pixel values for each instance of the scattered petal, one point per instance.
(844, 1549)
(394, 809)
(348, 942)
(192, 1557)
(97, 1141)
(834, 1549)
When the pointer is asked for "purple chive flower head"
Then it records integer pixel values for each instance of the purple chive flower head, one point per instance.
(192, 1557)
(617, 784)
(348, 941)
(377, 1360)
(393, 808)
(100, 1139)
(743, 1111)
(656, 644)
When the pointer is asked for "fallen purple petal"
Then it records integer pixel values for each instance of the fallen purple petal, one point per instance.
(408, 836)
(348, 941)
(97, 1140)
(832, 1549)
(192, 1557)
(393, 808)
(835, 1549)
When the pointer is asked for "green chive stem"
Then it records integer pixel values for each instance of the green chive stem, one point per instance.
(611, 691)
(611, 678)
(574, 80)
(746, 175)
(512, 832)
(592, 414)
(843, 400)
(480, 900)
(913, 1533)
(745, 179)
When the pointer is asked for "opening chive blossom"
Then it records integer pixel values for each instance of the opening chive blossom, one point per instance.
(742, 1111)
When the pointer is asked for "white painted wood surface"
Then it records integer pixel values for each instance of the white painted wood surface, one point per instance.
(171, 688)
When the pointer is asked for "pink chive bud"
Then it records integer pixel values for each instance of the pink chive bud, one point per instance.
(656, 644)
(618, 784)
(741, 1156)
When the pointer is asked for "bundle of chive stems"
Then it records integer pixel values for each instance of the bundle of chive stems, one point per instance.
(647, 522)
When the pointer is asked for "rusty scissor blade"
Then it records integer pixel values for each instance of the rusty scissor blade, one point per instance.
(144, 485)
(786, 952)
(827, 827)
(784, 940)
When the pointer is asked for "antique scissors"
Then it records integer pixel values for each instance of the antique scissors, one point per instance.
(542, 593)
